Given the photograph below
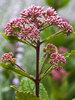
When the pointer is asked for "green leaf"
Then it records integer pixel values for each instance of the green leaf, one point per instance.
(17, 28)
(73, 99)
(14, 69)
(28, 85)
(14, 87)
(57, 3)
(66, 55)
(72, 52)
(25, 96)
(13, 39)
(21, 95)
(57, 40)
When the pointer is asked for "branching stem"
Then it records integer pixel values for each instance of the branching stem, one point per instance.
(31, 44)
(51, 36)
(44, 27)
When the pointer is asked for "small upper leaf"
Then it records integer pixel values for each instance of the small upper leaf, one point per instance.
(13, 39)
(66, 55)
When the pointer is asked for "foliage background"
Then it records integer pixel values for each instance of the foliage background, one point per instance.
(10, 9)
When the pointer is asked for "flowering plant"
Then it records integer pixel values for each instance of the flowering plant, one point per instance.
(27, 30)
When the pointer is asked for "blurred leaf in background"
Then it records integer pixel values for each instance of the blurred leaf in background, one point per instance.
(57, 4)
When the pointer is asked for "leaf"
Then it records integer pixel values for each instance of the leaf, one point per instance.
(21, 95)
(57, 3)
(73, 99)
(66, 55)
(72, 52)
(14, 69)
(25, 96)
(14, 87)
(17, 28)
(28, 85)
(58, 40)
(13, 39)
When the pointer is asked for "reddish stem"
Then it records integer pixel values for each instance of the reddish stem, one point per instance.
(43, 63)
(48, 68)
(37, 68)
(51, 36)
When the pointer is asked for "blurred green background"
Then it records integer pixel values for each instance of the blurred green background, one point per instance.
(10, 9)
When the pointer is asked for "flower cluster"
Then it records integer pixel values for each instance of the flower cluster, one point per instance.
(32, 19)
(32, 13)
(7, 57)
(62, 50)
(52, 18)
(57, 59)
(58, 73)
(31, 32)
(50, 48)
(10, 29)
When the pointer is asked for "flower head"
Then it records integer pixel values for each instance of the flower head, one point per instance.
(50, 48)
(31, 22)
(7, 57)
(30, 32)
(32, 13)
(57, 59)
(62, 50)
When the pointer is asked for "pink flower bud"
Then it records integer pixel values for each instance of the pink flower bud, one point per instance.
(8, 58)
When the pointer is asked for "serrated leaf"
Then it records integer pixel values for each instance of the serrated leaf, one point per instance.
(21, 95)
(28, 85)
(25, 96)
(14, 69)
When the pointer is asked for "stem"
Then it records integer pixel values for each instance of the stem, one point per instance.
(51, 36)
(43, 63)
(37, 68)
(21, 68)
(44, 27)
(47, 72)
(31, 44)
(25, 72)
(48, 68)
